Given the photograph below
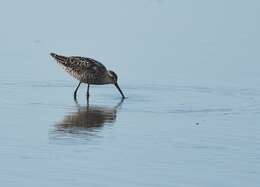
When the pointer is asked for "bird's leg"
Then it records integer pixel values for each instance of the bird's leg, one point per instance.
(75, 92)
(87, 103)
(88, 92)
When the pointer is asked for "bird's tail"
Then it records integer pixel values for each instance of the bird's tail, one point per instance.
(63, 60)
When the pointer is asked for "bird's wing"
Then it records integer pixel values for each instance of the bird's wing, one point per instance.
(88, 64)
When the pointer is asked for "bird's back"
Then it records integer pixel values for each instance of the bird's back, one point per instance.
(84, 69)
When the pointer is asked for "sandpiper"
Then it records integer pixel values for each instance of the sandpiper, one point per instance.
(87, 70)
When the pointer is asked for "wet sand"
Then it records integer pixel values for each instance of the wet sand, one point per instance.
(190, 132)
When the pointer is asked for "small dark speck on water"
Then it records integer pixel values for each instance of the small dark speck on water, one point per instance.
(197, 123)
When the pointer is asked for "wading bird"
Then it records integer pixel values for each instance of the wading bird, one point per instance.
(87, 70)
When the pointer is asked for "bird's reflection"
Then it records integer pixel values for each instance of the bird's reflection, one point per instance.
(85, 121)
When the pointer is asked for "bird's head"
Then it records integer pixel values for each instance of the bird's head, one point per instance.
(113, 78)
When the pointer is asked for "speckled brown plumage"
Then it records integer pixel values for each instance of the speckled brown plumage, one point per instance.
(87, 70)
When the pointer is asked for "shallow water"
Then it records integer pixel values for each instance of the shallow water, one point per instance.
(160, 135)
(190, 76)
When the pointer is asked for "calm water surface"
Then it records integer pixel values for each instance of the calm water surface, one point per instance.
(190, 71)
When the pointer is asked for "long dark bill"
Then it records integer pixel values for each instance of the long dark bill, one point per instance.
(123, 96)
